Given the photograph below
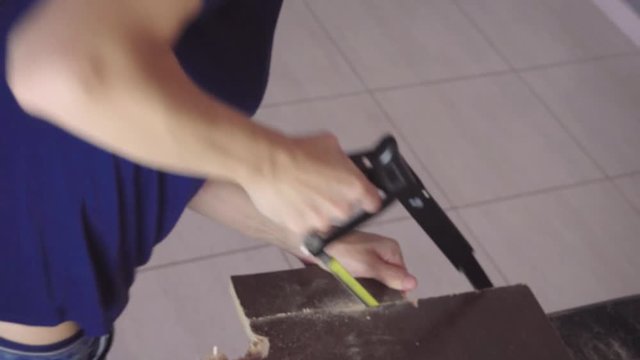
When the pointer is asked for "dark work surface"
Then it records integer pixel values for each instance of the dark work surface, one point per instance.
(496, 324)
(609, 330)
(635, 4)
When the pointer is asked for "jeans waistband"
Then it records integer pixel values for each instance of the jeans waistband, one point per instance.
(41, 349)
(78, 347)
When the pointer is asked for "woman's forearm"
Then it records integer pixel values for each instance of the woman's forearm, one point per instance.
(228, 204)
(106, 72)
(123, 90)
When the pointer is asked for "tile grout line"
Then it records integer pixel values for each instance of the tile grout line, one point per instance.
(538, 97)
(579, 144)
(506, 61)
(531, 193)
(201, 258)
(564, 126)
(586, 60)
(452, 79)
(421, 163)
(530, 88)
(334, 43)
(621, 192)
(507, 198)
(460, 209)
(312, 99)
(409, 85)
(375, 100)
(625, 197)
(394, 126)
(388, 118)
(498, 200)
(627, 174)
(514, 70)
(445, 80)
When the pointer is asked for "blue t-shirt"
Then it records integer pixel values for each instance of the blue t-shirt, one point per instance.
(76, 221)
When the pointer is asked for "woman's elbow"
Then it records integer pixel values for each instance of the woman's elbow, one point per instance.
(48, 80)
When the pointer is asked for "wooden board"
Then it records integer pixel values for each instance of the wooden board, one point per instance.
(307, 314)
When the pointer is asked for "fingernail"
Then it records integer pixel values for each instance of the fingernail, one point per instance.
(409, 282)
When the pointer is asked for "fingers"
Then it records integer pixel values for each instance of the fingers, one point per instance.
(315, 219)
(395, 277)
(337, 211)
(342, 189)
(392, 269)
(327, 213)
(369, 197)
(389, 250)
(362, 194)
(374, 256)
(318, 219)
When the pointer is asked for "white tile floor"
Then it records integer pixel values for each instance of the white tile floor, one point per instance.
(521, 116)
(530, 33)
(599, 103)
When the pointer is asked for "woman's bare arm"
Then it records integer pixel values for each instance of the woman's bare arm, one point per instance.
(106, 72)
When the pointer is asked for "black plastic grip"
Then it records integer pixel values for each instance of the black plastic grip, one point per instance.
(386, 169)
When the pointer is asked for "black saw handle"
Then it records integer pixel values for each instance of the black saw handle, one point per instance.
(386, 169)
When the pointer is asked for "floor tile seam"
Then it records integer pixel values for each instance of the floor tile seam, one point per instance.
(202, 258)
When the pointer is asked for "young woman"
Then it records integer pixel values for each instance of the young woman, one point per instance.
(115, 116)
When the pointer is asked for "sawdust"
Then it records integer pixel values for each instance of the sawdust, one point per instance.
(348, 310)
(339, 314)
(287, 332)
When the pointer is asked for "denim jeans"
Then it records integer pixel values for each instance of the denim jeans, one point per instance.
(78, 347)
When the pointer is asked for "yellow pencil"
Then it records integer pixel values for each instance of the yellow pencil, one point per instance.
(348, 280)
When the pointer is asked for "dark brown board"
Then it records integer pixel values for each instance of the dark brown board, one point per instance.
(311, 320)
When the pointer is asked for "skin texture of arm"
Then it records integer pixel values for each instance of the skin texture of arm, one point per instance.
(105, 71)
